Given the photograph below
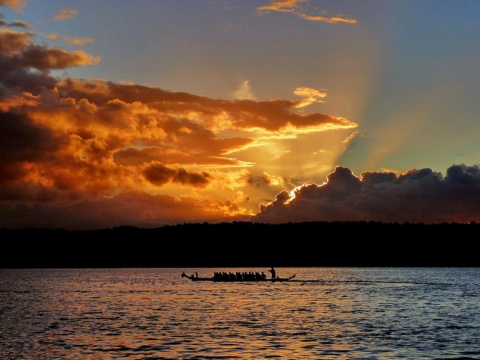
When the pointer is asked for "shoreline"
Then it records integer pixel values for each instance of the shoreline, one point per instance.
(313, 244)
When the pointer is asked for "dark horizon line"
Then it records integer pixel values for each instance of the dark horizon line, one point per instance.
(244, 222)
(246, 244)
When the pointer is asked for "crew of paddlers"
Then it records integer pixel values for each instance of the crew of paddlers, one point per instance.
(239, 276)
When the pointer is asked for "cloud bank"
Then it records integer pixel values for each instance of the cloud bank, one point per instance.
(91, 153)
(417, 196)
(81, 153)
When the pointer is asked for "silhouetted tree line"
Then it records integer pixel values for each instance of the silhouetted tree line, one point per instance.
(245, 244)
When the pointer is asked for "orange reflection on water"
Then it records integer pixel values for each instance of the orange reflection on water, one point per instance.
(329, 313)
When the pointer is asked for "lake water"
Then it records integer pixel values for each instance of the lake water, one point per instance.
(326, 313)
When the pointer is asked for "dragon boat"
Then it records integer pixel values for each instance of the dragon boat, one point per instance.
(237, 277)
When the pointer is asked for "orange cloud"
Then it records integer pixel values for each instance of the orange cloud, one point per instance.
(65, 14)
(282, 5)
(132, 156)
(17, 101)
(54, 58)
(19, 52)
(200, 112)
(12, 41)
(16, 5)
(73, 41)
(68, 145)
(127, 208)
(310, 96)
(331, 20)
(275, 115)
(294, 6)
(350, 137)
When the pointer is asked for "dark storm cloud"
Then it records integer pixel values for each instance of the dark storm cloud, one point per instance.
(159, 174)
(16, 131)
(415, 196)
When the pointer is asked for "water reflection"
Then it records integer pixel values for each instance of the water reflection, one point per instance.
(154, 313)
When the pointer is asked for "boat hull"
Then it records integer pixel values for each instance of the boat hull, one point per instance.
(216, 279)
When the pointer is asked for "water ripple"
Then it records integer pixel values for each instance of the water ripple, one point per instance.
(153, 314)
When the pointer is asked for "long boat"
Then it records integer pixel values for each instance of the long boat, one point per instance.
(238, 277)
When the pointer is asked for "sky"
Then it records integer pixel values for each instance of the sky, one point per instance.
(159, 112)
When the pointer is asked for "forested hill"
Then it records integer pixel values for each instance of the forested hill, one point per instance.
(245, 244)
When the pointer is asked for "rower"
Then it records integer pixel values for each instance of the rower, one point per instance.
(272, 270)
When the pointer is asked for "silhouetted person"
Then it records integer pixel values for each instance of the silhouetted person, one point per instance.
(272, 270)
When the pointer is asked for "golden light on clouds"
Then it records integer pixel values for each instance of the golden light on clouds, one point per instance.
(275, 180)
(310, 96)
(95, 139)
(281, 5)
(117, 151)
(21, 53)
(305, 12)
(329, 19)
(350, 137)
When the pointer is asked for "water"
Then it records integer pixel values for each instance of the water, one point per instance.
(336, 313)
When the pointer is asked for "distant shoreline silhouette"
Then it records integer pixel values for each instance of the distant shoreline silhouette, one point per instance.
(245, 244)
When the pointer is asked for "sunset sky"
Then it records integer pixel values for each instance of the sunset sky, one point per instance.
(156, 112)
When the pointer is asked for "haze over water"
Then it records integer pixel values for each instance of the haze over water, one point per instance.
(325, 313)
